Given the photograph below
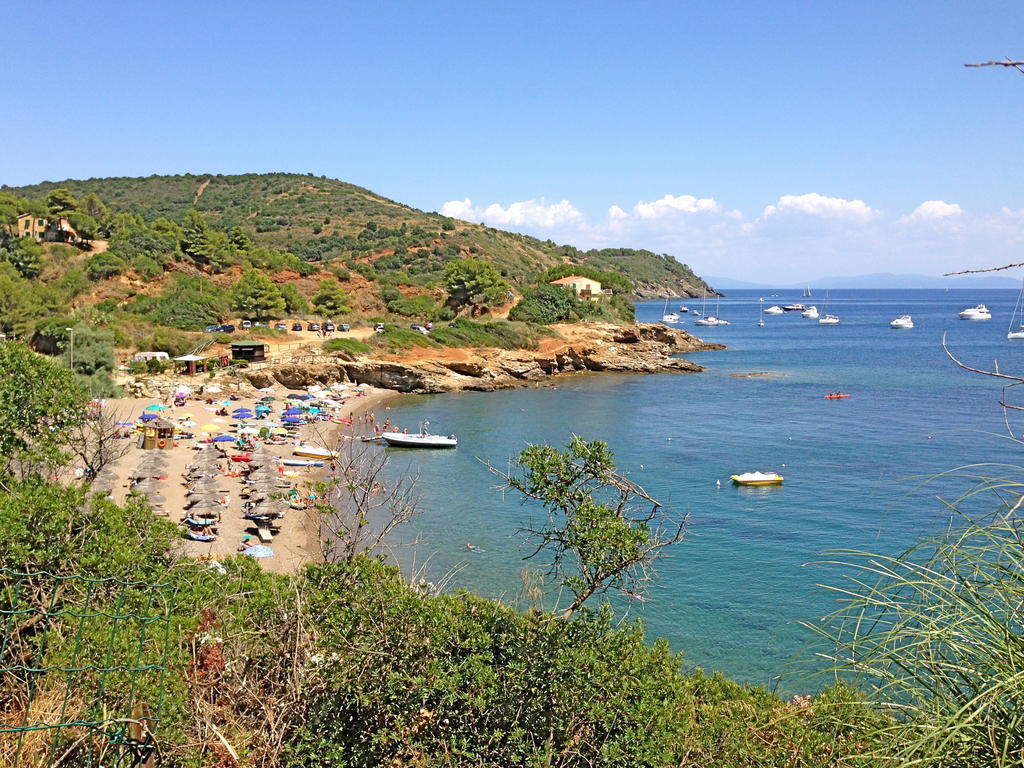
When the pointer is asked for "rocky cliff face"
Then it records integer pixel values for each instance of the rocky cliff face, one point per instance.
(638, 348)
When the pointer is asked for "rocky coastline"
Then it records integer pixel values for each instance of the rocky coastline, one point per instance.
(591, 347)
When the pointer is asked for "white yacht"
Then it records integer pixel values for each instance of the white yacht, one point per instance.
(979, 312)
(811, 312)
(903, 321)
(671, 317)
(775, 310)
(829, 320)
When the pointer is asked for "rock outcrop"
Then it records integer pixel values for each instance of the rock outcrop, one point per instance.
(640, 348)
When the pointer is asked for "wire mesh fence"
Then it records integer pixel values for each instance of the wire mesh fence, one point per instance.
(82, 669)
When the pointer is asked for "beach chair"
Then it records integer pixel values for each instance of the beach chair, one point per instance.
(263, 531)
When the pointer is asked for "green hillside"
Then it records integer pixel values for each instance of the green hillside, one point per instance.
(321, 219)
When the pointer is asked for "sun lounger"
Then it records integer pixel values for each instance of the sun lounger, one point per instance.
(264, 532)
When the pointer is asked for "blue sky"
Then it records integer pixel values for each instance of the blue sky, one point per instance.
(755, 140)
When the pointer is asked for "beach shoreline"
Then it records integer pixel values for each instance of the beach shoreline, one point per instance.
(297, 541)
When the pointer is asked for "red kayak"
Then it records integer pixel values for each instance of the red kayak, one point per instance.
(835, 396)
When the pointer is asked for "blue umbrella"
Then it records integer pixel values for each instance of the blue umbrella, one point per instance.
(291, 420)
(259, 551)
(148, 416)
(293, 412)
(264, 408)
(243, 416)
(241, 410)
(224, 439)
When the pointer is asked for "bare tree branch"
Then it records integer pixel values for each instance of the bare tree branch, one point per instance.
(1008, 63)
(986, 269)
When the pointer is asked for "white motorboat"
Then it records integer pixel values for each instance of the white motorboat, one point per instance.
(828, 320)
(903, 321)
(794, 308)
(684, 309)
(757, 478)
(709, 320)
(979, 312)
(423, 440)
(775, 309)
(810, 312)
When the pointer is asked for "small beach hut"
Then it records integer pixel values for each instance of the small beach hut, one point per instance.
(250, 351)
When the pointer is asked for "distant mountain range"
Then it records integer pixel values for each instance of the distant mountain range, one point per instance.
(876, 280)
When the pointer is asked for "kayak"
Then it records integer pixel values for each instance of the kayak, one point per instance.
(835, 396)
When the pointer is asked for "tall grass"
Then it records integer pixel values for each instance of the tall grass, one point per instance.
(936, 635)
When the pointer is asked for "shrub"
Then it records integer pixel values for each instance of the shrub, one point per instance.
(545, 304)
(352, 346)
(104, 265)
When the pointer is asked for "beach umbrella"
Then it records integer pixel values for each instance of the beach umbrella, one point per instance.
(148, 416)
(209, 428)
(292, 412)
(291, 420)
(262, 408)
(223, 439)
(267, 399)
(259, 551)
(156, 407)
(156, 498)
(249, 431)
(225, 403)
(279, 431)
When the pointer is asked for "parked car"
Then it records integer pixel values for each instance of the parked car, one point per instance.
(379, 327)
(329, 326)
(420, 329)
(280, 326)
(246, 324)
(313, 327)
(211, 329)
(344, 327)
(296, 326)
(226, 328)
(258, 324)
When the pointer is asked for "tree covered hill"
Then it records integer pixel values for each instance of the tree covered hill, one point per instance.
(320, 219)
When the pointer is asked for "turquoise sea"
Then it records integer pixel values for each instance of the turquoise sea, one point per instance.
(732, 592)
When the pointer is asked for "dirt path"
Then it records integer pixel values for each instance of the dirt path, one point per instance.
(199, 192)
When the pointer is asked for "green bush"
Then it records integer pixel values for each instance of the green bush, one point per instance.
(498, 333)
(352, 346)
(546, 304)
(104, 265)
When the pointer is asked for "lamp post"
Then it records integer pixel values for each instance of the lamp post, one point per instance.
(71, 362)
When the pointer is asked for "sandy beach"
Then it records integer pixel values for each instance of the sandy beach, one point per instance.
(295, 538)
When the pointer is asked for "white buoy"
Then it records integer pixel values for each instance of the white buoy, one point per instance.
(718, 483)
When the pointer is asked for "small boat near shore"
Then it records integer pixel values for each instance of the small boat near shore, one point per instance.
(811, 313)
(794, 308)
(757, 478)
(775, 309)
(423, 440)
(314, 452)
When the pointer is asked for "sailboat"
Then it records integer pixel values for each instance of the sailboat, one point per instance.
(760, 314)
(828, 319)
(668, 317)
(1016, 317)
(807, 292)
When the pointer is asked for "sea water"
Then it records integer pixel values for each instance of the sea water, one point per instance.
(733, 592)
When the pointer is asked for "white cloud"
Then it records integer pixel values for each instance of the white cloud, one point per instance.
(933, 210)
(528, 213)
(814, 204)
(670, 205)
(798, 238)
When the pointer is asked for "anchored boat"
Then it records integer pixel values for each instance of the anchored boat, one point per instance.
(758, 478)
